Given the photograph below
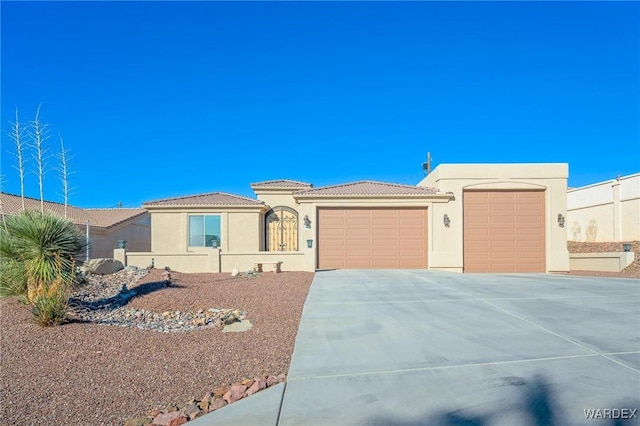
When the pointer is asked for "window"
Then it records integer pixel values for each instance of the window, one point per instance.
(204, 231)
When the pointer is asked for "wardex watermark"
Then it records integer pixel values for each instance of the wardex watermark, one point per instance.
(611, 413)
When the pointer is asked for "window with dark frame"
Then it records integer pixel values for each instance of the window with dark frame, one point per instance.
(204, 231)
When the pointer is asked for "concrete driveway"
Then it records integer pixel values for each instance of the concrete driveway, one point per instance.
(425, 347)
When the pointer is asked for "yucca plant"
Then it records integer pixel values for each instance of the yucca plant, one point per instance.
(38, 249)
(50, 307)
(13, 281)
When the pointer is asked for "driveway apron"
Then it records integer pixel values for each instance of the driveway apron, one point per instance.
(417, 347)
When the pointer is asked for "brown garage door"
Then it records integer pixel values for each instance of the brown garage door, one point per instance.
(504, 231)
(372, 238)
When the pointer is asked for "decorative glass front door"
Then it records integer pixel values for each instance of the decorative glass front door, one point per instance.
(282, 229)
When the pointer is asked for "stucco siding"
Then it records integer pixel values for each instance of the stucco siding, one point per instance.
(605, 211)
(215, 260)
(445, 249)
(447, 244)
(291, 261)
(244, 232)
(590, 195)
(631, 219)
(169, 232)
(591, 224)
(137, 237)
(610, 262)
(206, 261)
(630, 187)
(277, 199)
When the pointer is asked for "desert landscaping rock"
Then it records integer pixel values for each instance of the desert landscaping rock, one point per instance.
(217, 404)
(178, 414)
(237, 327)
(235, 393)
(191, 409)
(102, 300)
(102, 266)
(174, 418)
(257, 386)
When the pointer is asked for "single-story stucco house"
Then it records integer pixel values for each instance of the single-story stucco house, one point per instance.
(461, 217)
(106, 226)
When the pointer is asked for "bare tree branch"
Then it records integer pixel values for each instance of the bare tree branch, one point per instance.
(16, 134)
(39, 134)
(64, 174)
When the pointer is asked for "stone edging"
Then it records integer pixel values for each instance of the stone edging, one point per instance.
(179, 414)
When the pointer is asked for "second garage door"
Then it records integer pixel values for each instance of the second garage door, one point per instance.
(504, 231)
(372, 238)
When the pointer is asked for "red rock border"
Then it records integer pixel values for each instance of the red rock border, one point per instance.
(179, 414)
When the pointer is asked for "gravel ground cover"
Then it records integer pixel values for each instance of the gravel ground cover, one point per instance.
(84, 373)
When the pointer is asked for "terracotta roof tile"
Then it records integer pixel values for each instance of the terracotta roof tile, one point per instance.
(111, 217)
(105, 218)
(368, 187)
(281, 183)
(209, 199)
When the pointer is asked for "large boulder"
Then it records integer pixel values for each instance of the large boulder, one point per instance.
(104, 266)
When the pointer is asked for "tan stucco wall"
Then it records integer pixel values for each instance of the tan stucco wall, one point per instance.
(239, 230)
(169, 232)
(208, 261)
(213, 260)
(291, 261)
(243, 232)
(447, 244)
(609, 262)
(104, 241)
(605, 211)
(274, 198)
(120, 255)
(630, 220)
(592, 224)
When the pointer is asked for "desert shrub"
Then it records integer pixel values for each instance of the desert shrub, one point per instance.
(13, 281)
(37, 250)
(50, 309)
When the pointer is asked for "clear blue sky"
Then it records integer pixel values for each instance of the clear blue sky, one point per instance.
(160, 99)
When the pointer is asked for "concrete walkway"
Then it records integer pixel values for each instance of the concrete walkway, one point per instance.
(424, 347)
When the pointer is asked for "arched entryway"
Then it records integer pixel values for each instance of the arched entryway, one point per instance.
(281, 229)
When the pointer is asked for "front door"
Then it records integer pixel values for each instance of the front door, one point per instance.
(282, 229)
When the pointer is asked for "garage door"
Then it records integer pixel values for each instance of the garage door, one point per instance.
(504, 231)
(372, 238)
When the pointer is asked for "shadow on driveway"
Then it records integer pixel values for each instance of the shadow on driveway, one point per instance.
(539, 407)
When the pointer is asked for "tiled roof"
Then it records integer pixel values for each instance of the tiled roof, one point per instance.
(209, 199)
(281, 183)
(111, 217)
(12, 204)
(368, 187)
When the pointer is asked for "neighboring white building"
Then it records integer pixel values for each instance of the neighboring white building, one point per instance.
(606, 211)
